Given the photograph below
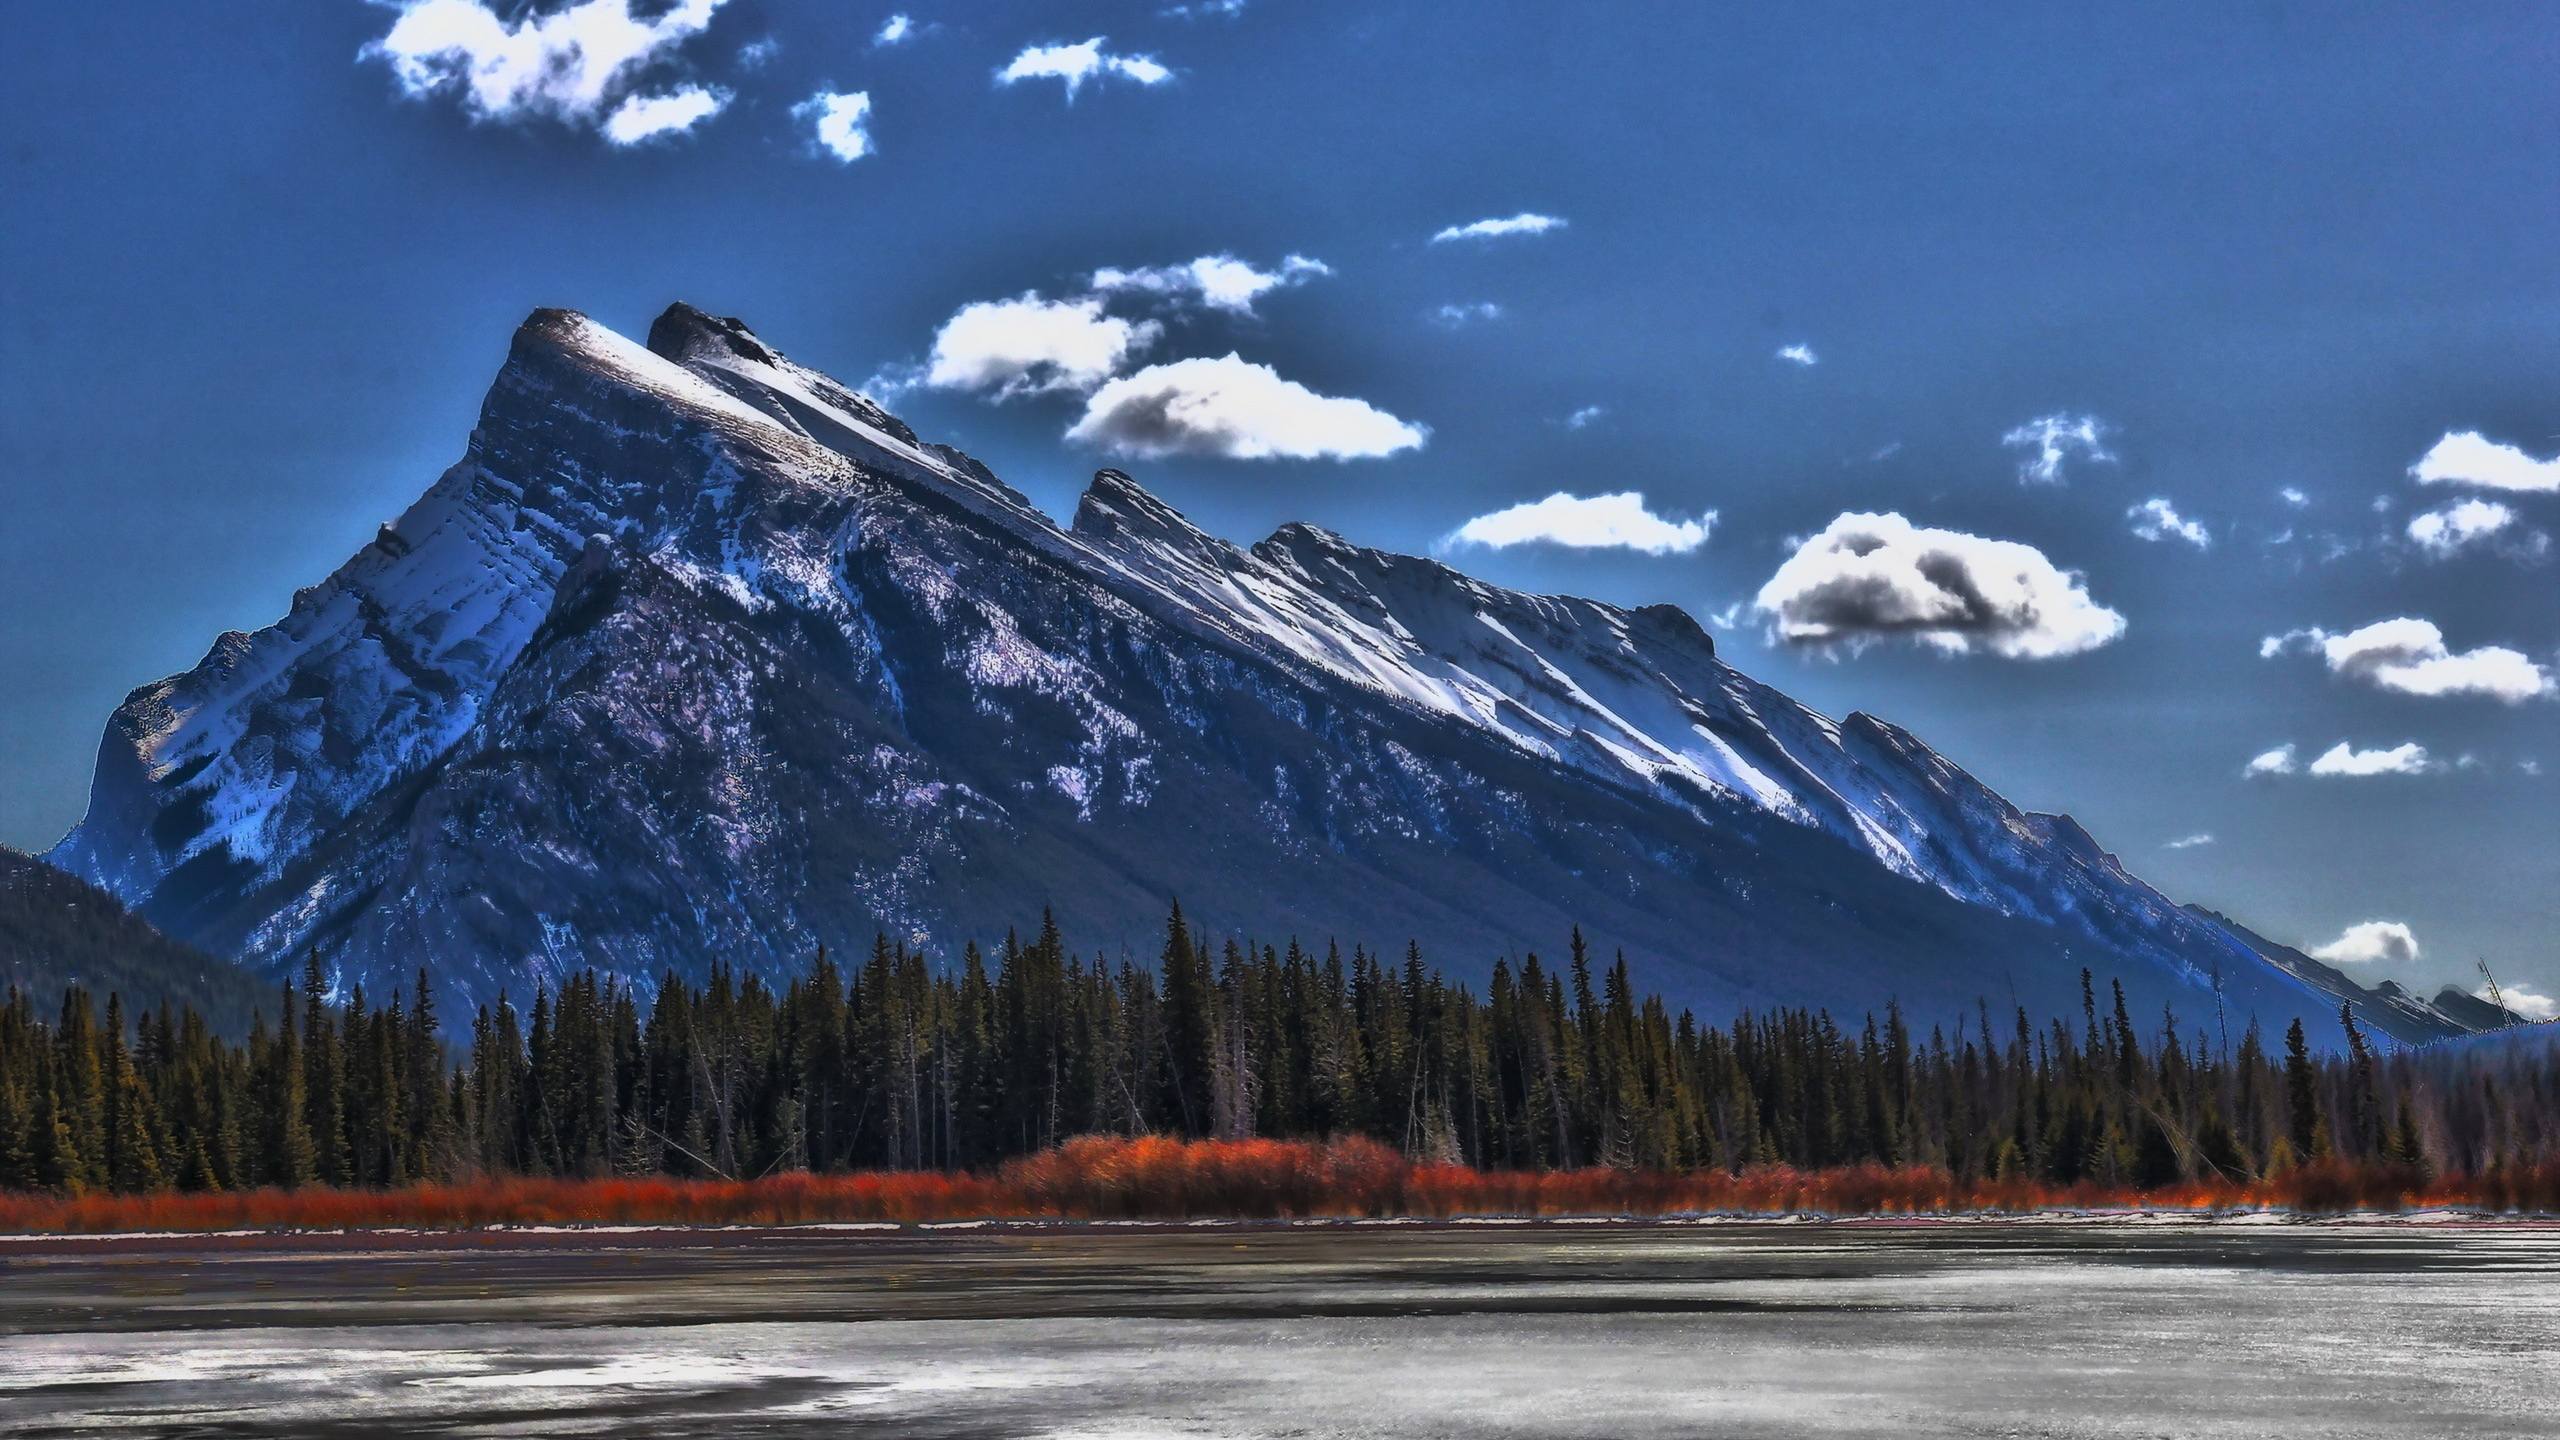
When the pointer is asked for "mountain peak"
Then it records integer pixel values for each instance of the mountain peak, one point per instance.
(1303, 535)
(682, 333)
(1673, 623)
(1117, 508)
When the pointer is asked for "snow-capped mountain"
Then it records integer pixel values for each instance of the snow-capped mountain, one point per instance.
(699, 655)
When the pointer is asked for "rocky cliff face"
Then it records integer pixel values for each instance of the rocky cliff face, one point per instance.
(697, 655)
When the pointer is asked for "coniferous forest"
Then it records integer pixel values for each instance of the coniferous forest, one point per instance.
(895, 1064)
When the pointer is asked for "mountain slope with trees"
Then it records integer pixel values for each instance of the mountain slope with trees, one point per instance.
(58, 930)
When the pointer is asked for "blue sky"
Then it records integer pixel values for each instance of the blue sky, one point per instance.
(1806, 263)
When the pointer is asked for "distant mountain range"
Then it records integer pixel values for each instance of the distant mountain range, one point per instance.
(698, 655)
(2389, 1006)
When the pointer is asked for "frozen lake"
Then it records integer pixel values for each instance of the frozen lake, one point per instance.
(2038, 1329)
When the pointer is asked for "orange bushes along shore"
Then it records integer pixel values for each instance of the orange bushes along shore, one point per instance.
(1155, 1178)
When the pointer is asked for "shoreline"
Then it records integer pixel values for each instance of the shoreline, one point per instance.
(679, 1236)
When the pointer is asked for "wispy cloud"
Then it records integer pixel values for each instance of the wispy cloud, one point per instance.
(1586, 522)
(2407, 758)
(2470, 458)
(1524, 223)
(2190, 842)
(1468, 313)
(1203, 10)
(1075, 64)
(2446, 532)
(841, 123)
(1582, 418)
(1220, 282)
(2344, 761)
(2157, 519)
(1871, 577)
(2052, 441)
(2530, 1003)
(578, 65)
(2278, 761)
(1231, 408)
(2408, 655)
(2293, 497)
(643, 118)
(898, 29)
(1799, 355)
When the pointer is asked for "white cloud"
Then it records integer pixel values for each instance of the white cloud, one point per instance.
(1202, 9)
(1221, 282)
(756, 54)
(1524, 223)
(575, 65)
(1593, 522)
(2442, 532)
(2345, 761)
(1868, 577)
(2409, 656)
(2471, 458)
(2278, 761)
(2157, 519)
(898, 29)
(2190, 842)
(2529, 1003)
(1454, 316)
(2529, 766)
(2054, 439)
(651, 117)
(1027, 345)
(2272, 762)
(1075, 64)
(2293, 497)
(1799, 355)
(2374, 942)
(842, 122)
(1237, 410)
(1582, 418)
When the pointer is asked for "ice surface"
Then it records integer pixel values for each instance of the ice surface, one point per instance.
(1789, 1331)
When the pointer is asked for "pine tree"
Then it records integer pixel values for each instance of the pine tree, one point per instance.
(133, 1151)
(1189, 1036)
(325, 1079)
(2301, 1088)
(291, 1158)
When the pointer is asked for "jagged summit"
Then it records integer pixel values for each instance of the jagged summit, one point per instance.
(1115, 509)
(681, 333)
(698, 655)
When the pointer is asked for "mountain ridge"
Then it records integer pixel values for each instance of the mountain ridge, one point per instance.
(904, 690)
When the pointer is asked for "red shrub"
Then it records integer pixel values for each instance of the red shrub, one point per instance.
(1158, 1178)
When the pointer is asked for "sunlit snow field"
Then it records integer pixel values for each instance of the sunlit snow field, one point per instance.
(1766, 1330)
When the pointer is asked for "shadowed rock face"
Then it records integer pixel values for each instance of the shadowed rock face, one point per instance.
(698, 656)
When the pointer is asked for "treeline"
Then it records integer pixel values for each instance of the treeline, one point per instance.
(903, 1065)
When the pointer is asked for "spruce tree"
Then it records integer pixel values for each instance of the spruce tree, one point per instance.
(291, 1158)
